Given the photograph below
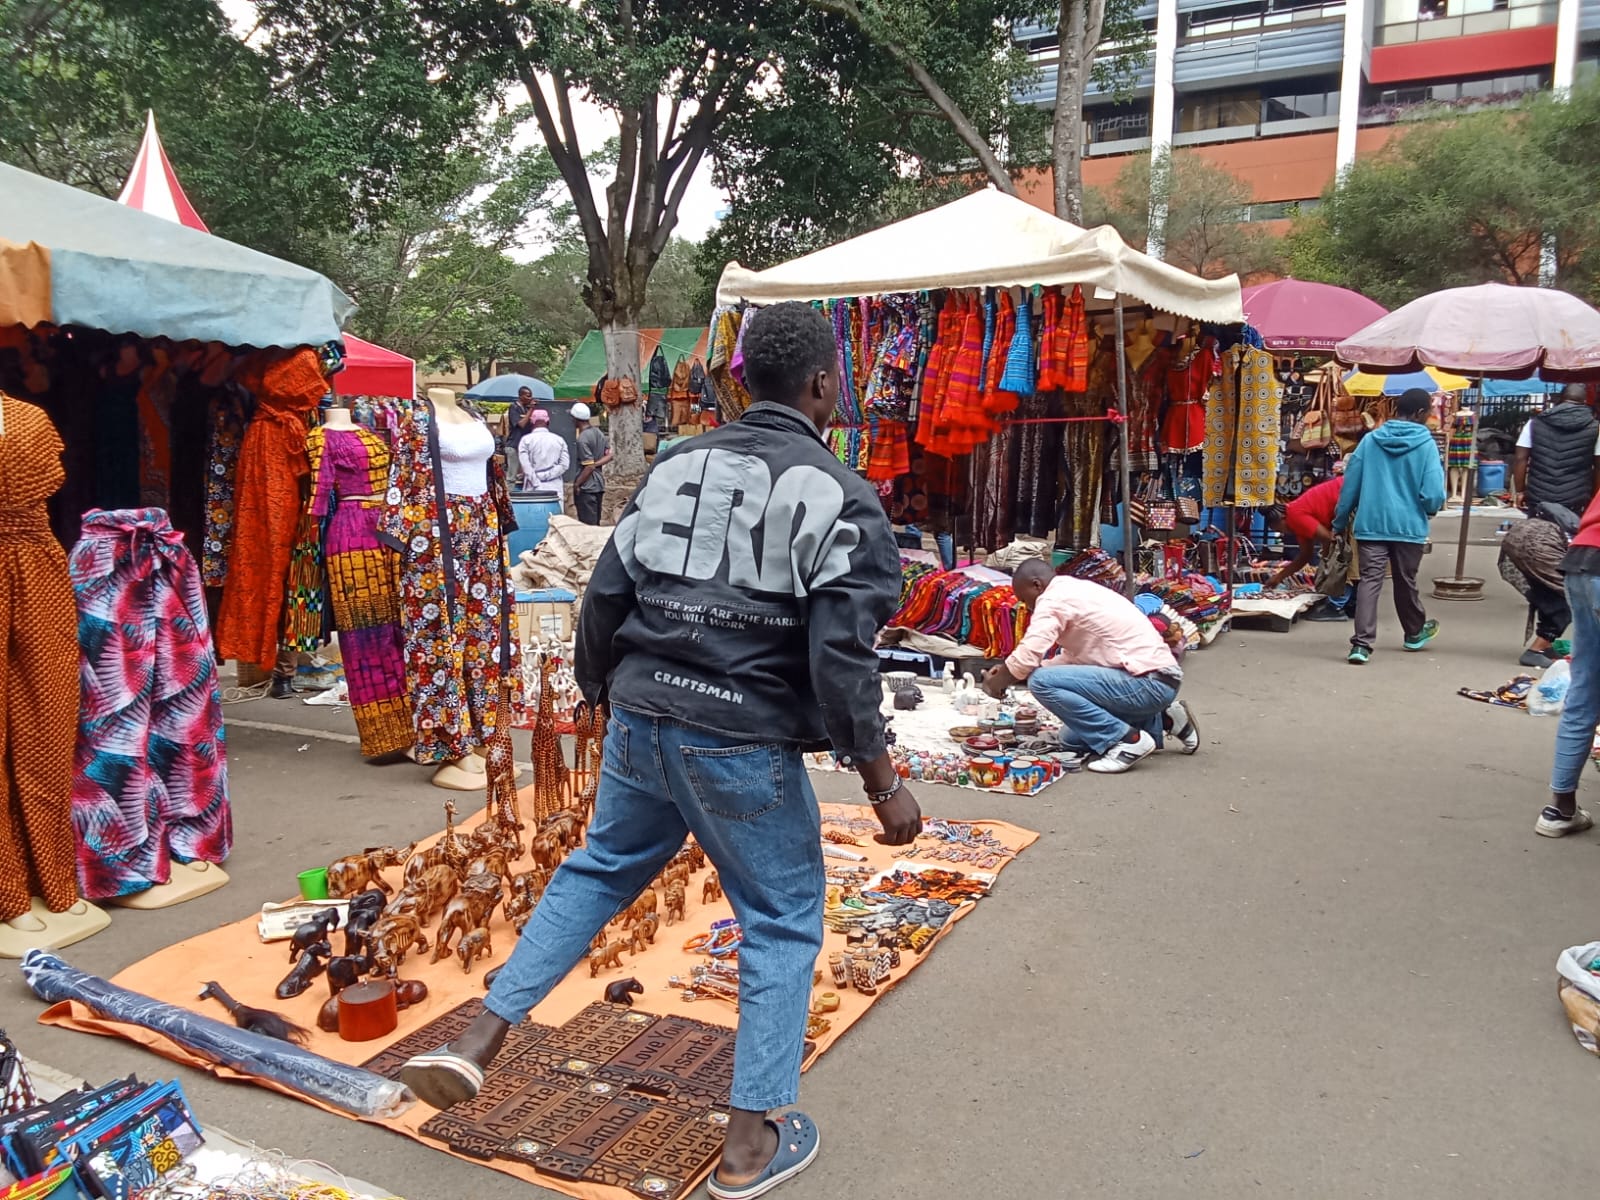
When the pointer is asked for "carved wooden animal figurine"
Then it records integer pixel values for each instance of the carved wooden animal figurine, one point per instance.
(622, 991)
(411, 904)
(312, 963)
(546, 851)
(648, 924)
(423, 861)
(695, 856)
(609, 955)
(711, 889)
(676, 872)
(354, 872)
(676, 902)
(345, 970)
(636, 940)
(456, 849)
(524, 895)
(469, 910)
(490, 862)
(599, 941)
(328, 1015)
(308, 933)
(646, 903)
(438, 884)
(566, 826)
(365, 909)
(391, 939)
(474, 945)
(408, 992)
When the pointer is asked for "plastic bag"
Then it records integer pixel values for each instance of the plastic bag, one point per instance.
(1549, 695)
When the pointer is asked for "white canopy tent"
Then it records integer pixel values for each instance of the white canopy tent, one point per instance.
(987, 239)
(990, 239)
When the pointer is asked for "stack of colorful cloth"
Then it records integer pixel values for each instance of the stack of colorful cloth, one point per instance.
(972, 605)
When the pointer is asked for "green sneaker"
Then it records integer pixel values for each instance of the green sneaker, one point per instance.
(1430, 630)
(1358, 655)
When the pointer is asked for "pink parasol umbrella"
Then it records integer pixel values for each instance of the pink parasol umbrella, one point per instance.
(1294, 314)
(1490, 331)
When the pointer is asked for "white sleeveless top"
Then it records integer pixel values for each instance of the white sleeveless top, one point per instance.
(464, 449)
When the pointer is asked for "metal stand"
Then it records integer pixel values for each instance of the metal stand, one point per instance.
(1130, 586)
(1462, 586)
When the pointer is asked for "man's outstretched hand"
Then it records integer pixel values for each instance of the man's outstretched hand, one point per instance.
(901, 818)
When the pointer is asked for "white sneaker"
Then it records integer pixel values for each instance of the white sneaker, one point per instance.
(1124, 755)
(1184, 727)
(1552, 824)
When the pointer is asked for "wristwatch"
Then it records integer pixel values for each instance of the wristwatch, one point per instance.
(888, 794)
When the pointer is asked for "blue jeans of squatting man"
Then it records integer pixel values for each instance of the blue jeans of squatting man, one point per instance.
(752, 810)
(1097, 706)
(1575, 733)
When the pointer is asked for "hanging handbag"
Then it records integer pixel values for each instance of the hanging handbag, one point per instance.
(1161, 515)
(1313, 429)
(1333, 572)
(1346, 409)
(16, 1089)
(1188, 509)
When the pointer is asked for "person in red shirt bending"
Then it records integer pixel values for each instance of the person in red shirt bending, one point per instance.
(1309, 516)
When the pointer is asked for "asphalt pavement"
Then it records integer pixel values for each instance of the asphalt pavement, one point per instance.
(1316, 959)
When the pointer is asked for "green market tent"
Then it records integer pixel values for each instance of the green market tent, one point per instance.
(588, 362)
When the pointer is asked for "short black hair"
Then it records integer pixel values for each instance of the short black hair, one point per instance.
(1575, 393)
(1413, 402)
(784, 348)
(1030, 569)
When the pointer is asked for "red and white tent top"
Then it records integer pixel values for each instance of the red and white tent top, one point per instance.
(153, 186)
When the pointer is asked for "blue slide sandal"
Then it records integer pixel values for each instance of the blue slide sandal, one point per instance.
(798, 1144)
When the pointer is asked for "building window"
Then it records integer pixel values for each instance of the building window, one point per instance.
(1467, 91)
(1115, 123)
(1307, 100)
(1218, 110)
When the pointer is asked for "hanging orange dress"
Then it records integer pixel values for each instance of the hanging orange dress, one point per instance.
(267, 487)
(38, 672)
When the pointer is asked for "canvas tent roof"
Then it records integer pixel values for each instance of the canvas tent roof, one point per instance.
(987, 239)
(588, 361)
(73, 258)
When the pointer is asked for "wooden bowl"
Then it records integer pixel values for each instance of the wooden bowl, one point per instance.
(961, 733)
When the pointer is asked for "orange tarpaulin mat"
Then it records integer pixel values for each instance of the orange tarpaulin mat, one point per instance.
(235, 957)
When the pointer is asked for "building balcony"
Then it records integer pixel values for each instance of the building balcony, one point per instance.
(1526, 16)
(1249, 58)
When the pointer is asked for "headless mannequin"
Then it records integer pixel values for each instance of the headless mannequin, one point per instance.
(1464, 417)
(338, 417)
(1142, 344)
(39, 926)
(462, 774)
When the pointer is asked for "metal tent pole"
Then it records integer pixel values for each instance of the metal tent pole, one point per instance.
(1461, 586)
(1128, 559)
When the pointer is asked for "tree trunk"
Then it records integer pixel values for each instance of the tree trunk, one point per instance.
(626, 430)
(1067, 136)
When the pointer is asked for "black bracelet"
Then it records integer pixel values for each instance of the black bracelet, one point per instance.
(888, 794)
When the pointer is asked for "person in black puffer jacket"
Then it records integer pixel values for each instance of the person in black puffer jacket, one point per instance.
(1558, 454)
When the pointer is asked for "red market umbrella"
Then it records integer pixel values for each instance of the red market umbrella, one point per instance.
(1490, 331)
(1294, 314)
(373, 371)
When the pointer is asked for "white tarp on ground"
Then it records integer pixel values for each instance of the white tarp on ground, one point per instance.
(987, 239)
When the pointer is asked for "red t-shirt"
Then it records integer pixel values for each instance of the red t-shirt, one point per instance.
(1313, 507)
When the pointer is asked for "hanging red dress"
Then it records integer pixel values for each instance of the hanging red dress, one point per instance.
(272, 466)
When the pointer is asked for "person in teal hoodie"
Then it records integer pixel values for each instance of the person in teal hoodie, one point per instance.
(1393, 483)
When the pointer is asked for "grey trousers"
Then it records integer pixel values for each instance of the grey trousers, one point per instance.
(1405, 558)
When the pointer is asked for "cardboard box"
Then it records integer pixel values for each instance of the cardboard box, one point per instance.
(546, 615)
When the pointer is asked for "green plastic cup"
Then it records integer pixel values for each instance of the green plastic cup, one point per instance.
(314, 884)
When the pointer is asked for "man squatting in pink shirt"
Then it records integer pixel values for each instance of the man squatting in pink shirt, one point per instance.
(1095, 661)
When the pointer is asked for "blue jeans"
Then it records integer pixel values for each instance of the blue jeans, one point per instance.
(1098, 706)
(752, 810)
(947, 550)
(1575, 733)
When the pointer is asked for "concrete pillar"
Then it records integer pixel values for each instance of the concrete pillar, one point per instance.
(1357, 29)
(1568, 17)
(1163, 103)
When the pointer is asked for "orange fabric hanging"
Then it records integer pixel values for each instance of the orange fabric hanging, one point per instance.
(272, 464)
(1049, 378)
(1005, 327)
(1072, 338)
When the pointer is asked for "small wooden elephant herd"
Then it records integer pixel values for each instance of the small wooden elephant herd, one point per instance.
(396, 895)
(665, 901)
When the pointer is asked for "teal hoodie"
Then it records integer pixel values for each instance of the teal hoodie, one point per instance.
(1394, 482)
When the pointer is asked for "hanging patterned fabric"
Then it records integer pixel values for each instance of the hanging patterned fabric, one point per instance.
(456, 596)
(992, 488)
(1183, 427)
(1072, 344)
(996, 402)
(151, 778)
(1242, 431)
(349, 468)
(305, 604)
(1147, 389)
(1085, 459)
(729, 392)
(224, 435)
(1018, 380)
(1037, 497)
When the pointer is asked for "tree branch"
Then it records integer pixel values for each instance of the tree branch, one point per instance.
(851, 11)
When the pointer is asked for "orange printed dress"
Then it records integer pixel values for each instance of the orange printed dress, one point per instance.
(39, 672)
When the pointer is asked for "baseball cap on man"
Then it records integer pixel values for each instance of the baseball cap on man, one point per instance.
(539, 416)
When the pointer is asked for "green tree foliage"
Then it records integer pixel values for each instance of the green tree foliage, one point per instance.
(1205, 204)
(277, 144)
(1456, 200)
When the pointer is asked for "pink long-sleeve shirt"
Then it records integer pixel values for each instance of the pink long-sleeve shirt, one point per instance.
(1078, 623)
